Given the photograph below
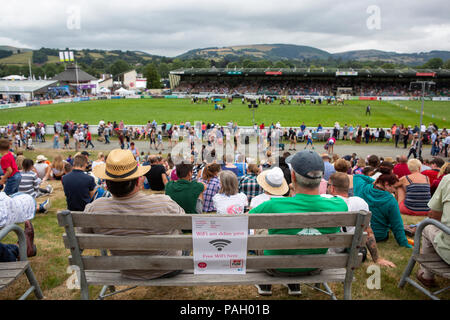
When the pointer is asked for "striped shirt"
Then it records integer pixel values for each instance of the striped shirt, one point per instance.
(136, 204)
(29, 183)
(417, 196)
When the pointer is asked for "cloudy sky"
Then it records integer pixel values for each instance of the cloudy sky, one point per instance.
(172, 27)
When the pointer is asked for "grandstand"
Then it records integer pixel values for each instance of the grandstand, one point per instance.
(308, 82)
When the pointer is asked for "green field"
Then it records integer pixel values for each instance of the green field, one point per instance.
(139, 111)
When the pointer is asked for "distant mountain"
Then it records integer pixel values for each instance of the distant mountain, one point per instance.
(393, 57)
(14, 49)
(271, 52)
(276, 52)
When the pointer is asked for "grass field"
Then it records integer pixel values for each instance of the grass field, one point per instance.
(19, 58)
(139, 111)
(51, 263)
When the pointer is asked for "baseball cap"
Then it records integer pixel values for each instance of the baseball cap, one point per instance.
(305, 161)
(85, 153)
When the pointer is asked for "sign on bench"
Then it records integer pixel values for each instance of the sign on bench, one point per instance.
(105, 270)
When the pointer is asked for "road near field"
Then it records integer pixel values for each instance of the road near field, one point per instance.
(362, 150)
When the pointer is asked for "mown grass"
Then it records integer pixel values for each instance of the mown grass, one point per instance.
(50, 266)
(139, 111)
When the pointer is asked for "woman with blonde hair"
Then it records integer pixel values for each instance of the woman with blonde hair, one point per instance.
(100, 160)
(57, 168)
(228, 200)
(413, 191)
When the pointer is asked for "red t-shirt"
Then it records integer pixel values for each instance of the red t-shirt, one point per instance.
(401, 169)
(431, 174)
(9, 161)
(89, 136)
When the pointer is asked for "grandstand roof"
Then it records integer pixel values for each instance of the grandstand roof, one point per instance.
(326, 72)
(24, 86)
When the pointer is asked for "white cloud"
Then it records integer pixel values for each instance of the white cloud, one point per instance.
(171, 27)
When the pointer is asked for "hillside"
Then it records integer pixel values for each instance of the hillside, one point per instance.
(271, 52)
(276, 52)
(99, 59)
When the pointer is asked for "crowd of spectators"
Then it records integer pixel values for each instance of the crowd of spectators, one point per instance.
(305, 88)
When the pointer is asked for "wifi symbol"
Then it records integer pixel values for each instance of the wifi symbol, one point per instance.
(220, 243)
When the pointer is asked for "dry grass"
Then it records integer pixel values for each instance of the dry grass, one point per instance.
(51, 263)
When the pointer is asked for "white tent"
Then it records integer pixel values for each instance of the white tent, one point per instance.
(14, 77)
(123, 92)
(104, 90)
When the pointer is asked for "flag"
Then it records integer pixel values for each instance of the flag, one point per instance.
(61, 56)
(66, 55)
(71, 56)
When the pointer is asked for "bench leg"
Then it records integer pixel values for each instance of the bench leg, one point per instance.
(113, 292)
(34, 284)
(407, 272)
(327, 290)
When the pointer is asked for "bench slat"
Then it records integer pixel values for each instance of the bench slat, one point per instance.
(255, 242)
(325, 261)
(189, 279)
(13, 265)
(168, 221)
(10, 271)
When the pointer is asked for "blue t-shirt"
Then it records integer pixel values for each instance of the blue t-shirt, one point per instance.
(77, 185)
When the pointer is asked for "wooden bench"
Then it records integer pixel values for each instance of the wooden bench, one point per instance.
(432, 262)
(104, 270)
(11, 271)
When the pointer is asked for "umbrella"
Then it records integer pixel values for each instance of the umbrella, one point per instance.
(216, 100)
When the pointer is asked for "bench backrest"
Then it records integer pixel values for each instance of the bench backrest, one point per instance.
(76, 240)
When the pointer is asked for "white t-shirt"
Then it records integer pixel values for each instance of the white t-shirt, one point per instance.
(41, 168)
(234, 204)
(263, 197)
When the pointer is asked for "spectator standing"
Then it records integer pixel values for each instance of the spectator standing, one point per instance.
(156, 176)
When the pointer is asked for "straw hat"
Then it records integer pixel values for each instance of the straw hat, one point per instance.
(273, 181)
(41, 158)
(120, 166)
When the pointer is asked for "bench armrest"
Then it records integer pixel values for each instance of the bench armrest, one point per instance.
(421, 226)
(20, 235)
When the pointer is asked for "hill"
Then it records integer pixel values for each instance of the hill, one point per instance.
(272, 52)
(276, 52)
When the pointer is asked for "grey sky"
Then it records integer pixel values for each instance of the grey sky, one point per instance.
(172, 27)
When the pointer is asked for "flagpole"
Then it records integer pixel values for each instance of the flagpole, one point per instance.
(76, 71)
(29, 65)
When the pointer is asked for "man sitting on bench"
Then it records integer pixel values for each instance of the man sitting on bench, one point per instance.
(307, 172)
(124, 179)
